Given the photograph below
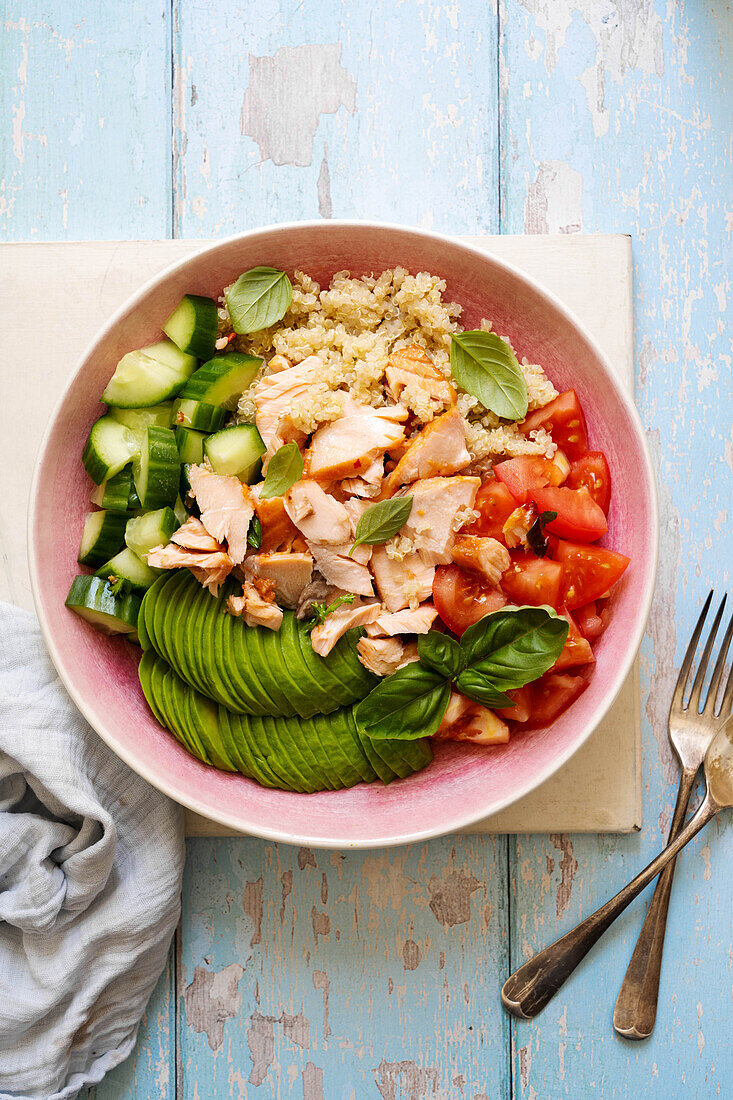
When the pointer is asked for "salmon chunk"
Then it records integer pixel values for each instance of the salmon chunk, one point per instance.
(369, 484)
(418, 621)
(326, 634)
(436, 501)
(209, 569)
(226, 505)
(278, 530)
(349, 446)
(274, 396)
(320, 517)
(412, 366)
(465, 720)
(350, 574)
(483, 555)
(256, 610)
(192, 535)
(404, 583)
(440, 448)
(290, 572)
(382, 656)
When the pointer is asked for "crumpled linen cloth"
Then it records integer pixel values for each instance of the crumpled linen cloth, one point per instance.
(91, 859)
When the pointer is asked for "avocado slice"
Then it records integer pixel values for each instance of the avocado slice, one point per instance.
(320, 687)
(178, 628)
(149, 608)
(174, 696)
(145, 672)
(247, 737)
(216, 688)
(268, 672)
(345, 661)
(203, 717)
(161, 615)
(284, 738)
(304, 693)
(241, 669)
(328, 741)
(223, 655)
(349, 745)
(191, 641)
(334, 669)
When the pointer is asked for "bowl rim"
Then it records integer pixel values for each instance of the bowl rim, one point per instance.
(460, 820)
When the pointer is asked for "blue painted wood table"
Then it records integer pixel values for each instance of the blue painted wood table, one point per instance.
(323, 975)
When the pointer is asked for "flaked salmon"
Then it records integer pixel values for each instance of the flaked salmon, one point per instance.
(349, 446)
(483, 555)
(417, 621)
(436, 503)
(226, 506)
(209, 569)
(381, 656)
(274, 396)
(278, 530)
(319, 516)
(412, 366)
(439, 449)
(192, 535)
(326, 634)
(350, 574)
(401, 583)
(290, 572)
(256, 610)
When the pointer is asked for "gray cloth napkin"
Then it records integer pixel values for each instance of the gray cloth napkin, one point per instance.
(91, 859)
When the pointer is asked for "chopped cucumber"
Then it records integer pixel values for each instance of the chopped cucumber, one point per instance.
(151, 529)
(93, 599)
(192, 325)
(190, 445)
(222, 379)
(110, 446)
(237, 450)
(117, 494)
(179, 508)
(185, 481)
(127, 566)
(198, 415)
(149, 376)
(139, 419)
(103, 536)
(156, 469)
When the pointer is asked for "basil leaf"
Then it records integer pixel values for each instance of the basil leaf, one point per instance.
(547, 517)
(254, 534)
(486, 367)
(406, 705)
(283, 470)
(381, 521)
(512, 648)
(441, 653)
(477, 687)
(258, 299)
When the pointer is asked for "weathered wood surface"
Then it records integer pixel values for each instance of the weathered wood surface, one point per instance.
(300, 974)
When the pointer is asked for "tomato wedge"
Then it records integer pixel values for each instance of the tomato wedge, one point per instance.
(552, 694)
(577, 650)
(522, 475)
(590, 623)
(578, 516)
(563, 418)
(589, 571)
(461, 598)
(522, 709)
(495, 504)
(592, 473)
(533, 580)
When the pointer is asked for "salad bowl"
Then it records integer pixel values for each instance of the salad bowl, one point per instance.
(464, 783)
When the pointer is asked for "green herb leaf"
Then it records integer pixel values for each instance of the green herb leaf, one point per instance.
(477, 687)
(547, 517)
(512, 648)
(283, 470)
(486, 367)
(258, 299)
(254, 535)
(319, 611)
(119, 586)
(381, 521)
(407, 705)
(441, 653)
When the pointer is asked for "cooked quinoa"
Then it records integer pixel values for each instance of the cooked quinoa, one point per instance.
(353, 326)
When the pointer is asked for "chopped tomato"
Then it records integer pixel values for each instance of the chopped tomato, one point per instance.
(589, 621)
(552, 694)
(592, 473)
(577, 650)
(533, 580)
(462, 598)
(589, 571)
(563, 418)
(522, 709)
(522, 475)
(578, 516)
(495, 504)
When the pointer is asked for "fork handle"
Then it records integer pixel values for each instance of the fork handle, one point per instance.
(636, 1004)
(529, 989)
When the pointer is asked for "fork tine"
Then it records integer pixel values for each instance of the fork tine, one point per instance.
(727, 701)
(684, 673)
(718, 672)
(702, 668)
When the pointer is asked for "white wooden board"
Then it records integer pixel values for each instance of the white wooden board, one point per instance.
(53, 299)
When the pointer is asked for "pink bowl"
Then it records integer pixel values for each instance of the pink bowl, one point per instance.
(463, 784)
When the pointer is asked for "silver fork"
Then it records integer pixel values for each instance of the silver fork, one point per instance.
(690, 731)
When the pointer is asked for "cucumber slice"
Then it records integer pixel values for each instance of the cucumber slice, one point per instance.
(237, 450)
(103, 536)
(93, 600)
(190, 445)
(198, 415)
(179, 509)
(109, 447)
(139, 419)
(156, 470)
(118, 494)
(127, 566)
(223, 379)
(192, 325)
(151, 529)
(148, 376)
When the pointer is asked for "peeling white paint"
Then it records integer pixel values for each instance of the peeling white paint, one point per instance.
(554, 202)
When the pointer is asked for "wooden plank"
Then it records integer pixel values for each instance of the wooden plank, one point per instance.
(619, 121)
(85, 136)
